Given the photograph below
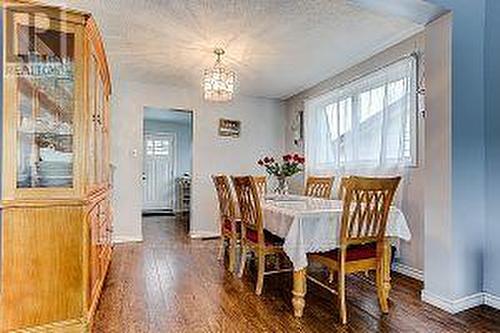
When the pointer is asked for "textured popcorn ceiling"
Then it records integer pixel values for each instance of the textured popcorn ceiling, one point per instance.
(277, 47)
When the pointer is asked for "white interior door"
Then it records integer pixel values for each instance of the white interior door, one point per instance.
(159, 162)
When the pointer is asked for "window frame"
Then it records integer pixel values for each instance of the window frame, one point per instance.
(371, 81)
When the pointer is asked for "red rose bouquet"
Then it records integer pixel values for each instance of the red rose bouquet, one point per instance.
(290, 165)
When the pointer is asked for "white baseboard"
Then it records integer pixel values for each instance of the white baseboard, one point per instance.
(453, 306)
(127, 239)
(409, 271)
(204, 234)
(461, 304)
(492, 300)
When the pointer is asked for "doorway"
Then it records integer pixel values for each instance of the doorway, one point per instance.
(167, 162)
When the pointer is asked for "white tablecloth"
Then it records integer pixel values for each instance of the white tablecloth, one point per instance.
(313, 225)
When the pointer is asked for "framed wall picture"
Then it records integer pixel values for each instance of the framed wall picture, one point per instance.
(229, 128)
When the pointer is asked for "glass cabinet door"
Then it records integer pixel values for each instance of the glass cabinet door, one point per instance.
(106, 142)
(92, 119)
(99, 130)
(97, 126)
(41, 65)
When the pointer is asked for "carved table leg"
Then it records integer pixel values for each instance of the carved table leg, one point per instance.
(299, 291)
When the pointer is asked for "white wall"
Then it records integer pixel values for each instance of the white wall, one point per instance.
(492, 72)
(438, 184)
(262, 133)
(412, 253)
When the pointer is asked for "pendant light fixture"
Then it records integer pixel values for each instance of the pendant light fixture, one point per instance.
(219, 81)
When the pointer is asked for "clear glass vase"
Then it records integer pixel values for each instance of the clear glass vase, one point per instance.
(281, 186)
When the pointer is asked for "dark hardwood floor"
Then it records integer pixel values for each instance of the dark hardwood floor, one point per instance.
(170, 283)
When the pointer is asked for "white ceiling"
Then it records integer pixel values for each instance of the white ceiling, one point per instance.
(418, 11)
(278, 48)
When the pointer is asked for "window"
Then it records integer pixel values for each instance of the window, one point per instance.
(157, 147)
(368, 123)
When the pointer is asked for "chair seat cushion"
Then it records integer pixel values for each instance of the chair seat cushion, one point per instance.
(269, 238)
(354, 252)
(227, 226)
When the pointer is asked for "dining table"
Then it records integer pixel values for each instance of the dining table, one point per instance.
(311, 225)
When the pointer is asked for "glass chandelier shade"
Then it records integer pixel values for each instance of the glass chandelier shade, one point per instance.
(218, 82)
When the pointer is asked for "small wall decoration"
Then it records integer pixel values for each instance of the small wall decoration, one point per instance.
(229, 128)
(297, 128)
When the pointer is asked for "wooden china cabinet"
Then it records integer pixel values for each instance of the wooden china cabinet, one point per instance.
(55, 207)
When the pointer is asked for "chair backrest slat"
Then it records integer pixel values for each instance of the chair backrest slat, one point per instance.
(250, 206)
(225, 197)
(261, 183)
(367, 202)
(319, 187)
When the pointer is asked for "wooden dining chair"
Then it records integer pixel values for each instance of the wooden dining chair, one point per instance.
(363, 245)
(341, 190)
(319, 187)
(340, 196)
(261, 183)
(254, 237)
(230, 226)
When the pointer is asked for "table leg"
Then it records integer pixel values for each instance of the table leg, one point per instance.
(299, 292)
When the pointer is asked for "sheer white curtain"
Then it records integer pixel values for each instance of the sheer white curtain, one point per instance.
(366, 127)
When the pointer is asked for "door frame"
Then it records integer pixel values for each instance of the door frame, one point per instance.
(174, 165)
